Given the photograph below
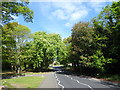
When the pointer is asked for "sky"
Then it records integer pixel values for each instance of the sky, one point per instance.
(60, 17)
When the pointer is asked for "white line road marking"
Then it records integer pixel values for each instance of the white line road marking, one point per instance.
(80, 82)
(59, 82)
(77, 81)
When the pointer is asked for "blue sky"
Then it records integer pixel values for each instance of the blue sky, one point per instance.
(59, 17)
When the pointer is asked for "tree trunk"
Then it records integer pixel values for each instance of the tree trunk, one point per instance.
(19, 70)
(74, 66)
(78, 66)
(12, 67)
(25, 66)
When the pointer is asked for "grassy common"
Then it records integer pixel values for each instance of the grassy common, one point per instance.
(23, 82)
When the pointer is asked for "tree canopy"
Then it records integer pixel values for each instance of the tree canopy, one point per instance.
(12, 9)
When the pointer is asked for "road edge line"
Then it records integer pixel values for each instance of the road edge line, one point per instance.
(59, 82)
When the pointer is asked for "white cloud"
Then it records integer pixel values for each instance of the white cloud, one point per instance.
(71, 12)
(59, 14)
(78, 15)
(67, 7)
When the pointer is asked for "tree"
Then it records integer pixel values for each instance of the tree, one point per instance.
(13, 40)
(8, 45)
(82, 42)
(107, 29)
(44, 49)
(10, 9)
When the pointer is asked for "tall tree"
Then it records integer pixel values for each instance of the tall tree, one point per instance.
(82, 39)
(107, 27)
(8, 45)
(9, 11)
(13, 40)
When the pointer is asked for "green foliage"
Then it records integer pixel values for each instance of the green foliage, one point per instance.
(13, 40)
(95, 44)
(10, 9)
(99, 61)
(114, 78)
(107, 32)
(82, 42)
(66, 52)
(43, 50)
(82, 38)
(14, 35)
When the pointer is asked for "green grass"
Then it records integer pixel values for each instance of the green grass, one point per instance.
(114, 77)
(32, 73)
(110, 77)
(23, 82)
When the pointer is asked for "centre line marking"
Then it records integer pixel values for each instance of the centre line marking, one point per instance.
(80, 82)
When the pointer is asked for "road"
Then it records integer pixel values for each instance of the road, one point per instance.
(71, 81)
(66, 81)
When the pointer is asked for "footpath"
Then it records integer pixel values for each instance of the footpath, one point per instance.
(50, 81)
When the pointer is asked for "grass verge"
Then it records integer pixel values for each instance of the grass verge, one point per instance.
(114, 78)
(23, 82)
(32, 73)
